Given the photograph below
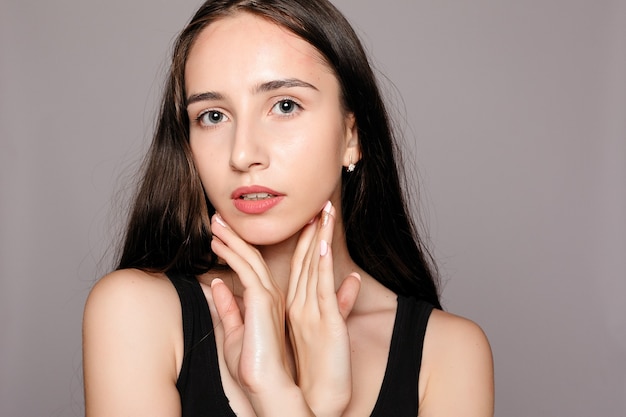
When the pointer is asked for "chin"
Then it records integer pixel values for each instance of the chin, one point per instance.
(261, 233)
(268, 236)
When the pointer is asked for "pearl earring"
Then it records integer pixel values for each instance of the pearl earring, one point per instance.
(351, 166)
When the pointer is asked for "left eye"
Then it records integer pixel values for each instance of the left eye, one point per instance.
(211, 118)
(285, 107)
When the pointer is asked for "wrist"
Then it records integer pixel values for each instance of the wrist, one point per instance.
(273, 402)
(327, 406)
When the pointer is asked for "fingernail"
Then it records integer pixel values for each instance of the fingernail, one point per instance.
(323, 248)
(326, 213)
(216, 281)
(219, 220)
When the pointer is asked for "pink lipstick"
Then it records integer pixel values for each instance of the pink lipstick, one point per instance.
(255, 199)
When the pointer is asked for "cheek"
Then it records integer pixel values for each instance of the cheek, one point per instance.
(322, 143)
(319, 159)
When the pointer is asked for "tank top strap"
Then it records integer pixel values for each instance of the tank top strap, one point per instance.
(199, 382)
(399, 391)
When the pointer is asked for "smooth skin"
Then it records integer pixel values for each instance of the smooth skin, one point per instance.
(293, 287)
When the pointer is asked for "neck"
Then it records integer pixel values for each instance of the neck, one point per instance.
(278, 258)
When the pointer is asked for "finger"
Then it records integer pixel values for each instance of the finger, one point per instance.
(325, 287)
(318, 249)
(232, 323)
(308, 250)
(347, 294)
(244, 259)
(306, 277)
(297, 261)
(231, 239)
(236, 262)
(227, 308)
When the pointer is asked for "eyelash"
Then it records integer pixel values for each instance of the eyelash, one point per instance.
(297, 108)
(297, 105)
(199, 121)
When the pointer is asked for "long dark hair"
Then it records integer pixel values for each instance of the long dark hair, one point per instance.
(168, 228)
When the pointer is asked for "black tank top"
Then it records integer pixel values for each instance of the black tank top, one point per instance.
(200, 385)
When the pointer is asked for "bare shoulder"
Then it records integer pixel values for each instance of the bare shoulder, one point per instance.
(455, 335)
(131, 285)
(457, 368)
(132, 345)
(130, 297)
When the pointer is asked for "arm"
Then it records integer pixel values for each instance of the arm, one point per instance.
(457, 369)
(131, 333)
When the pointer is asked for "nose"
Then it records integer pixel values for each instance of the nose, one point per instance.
(248, 148)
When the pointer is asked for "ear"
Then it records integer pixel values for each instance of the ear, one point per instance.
(352, 153)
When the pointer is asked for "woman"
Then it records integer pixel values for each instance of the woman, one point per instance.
(270, 267)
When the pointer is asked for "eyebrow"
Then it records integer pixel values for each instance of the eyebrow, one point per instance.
(210, 95)
(261, 88)
(286, 83)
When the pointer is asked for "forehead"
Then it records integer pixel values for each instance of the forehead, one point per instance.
(245, 43)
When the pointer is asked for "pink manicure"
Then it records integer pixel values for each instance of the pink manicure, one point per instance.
(326, 213)
(219, 220)
(323, 248)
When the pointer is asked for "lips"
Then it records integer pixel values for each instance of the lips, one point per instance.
(255, 199)
(254, 192)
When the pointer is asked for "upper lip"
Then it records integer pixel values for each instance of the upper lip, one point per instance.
(253, 189)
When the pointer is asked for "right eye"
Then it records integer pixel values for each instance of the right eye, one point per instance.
(210, 118)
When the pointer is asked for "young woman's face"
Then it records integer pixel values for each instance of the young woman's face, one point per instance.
(268, 133)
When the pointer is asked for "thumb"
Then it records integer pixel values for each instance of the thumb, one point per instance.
(226, 306)
(347, 294)
(230, 316)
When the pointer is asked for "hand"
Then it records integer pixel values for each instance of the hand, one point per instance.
(254, 344)
(317, 319)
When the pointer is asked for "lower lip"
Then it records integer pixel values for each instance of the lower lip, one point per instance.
(256, 206)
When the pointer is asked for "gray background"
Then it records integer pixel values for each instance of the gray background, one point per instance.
(514, 113)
